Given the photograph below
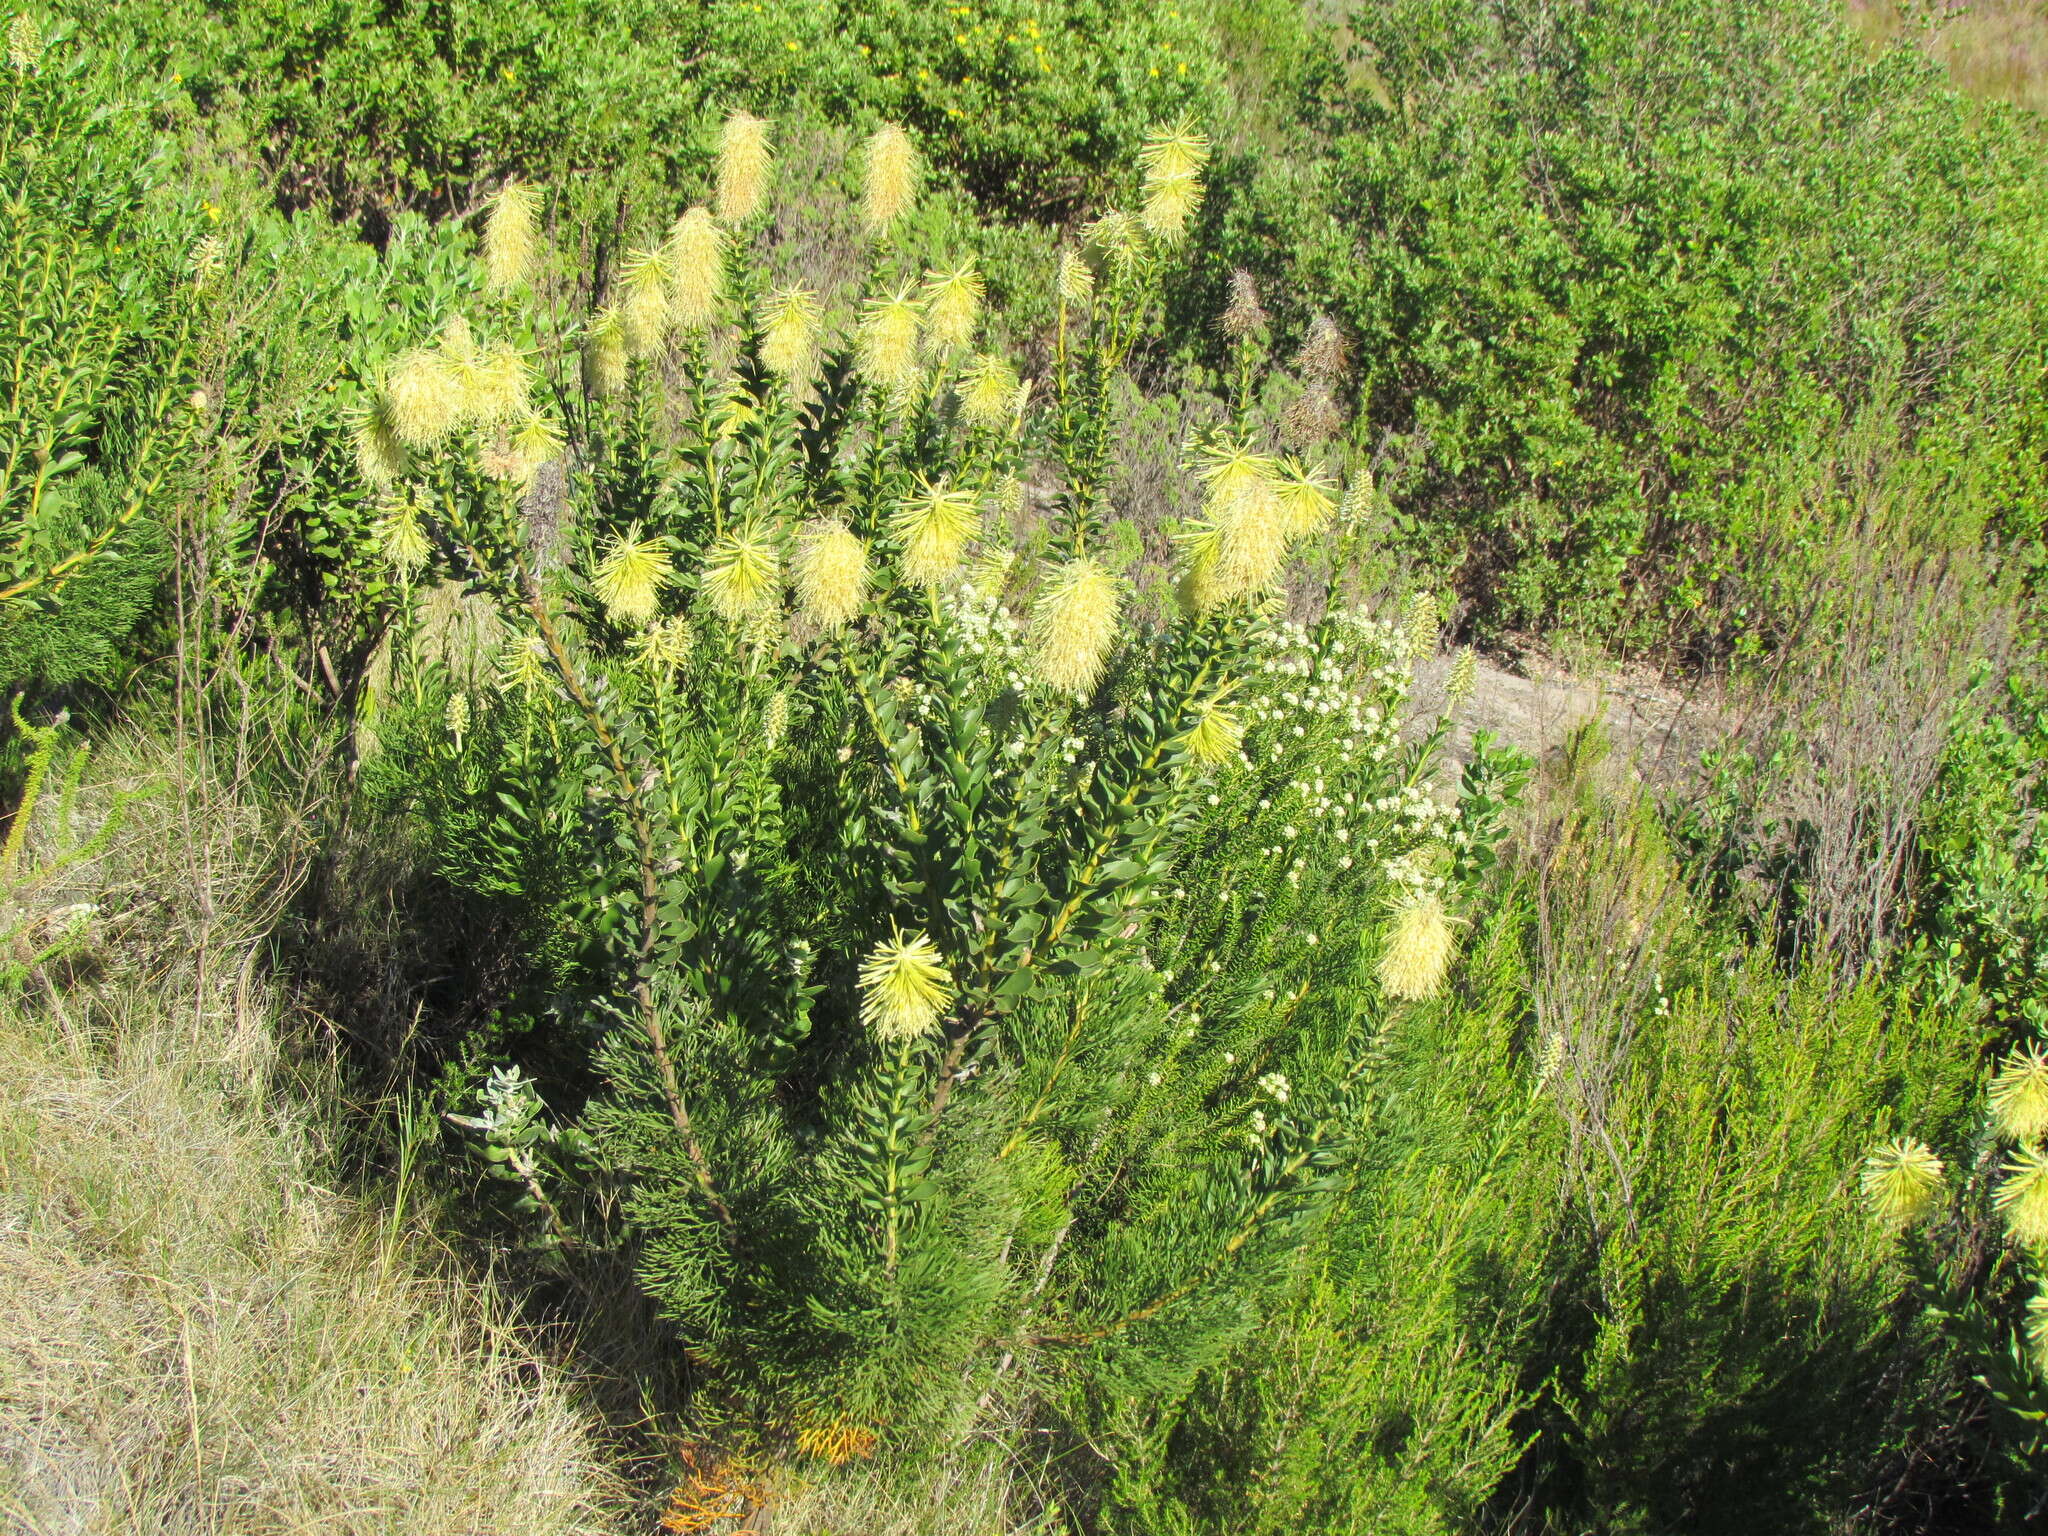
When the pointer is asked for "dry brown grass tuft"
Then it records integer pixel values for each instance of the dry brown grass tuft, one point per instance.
(196, 1334)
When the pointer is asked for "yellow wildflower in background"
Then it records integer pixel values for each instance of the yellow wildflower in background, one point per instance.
(904, 988)
(604, 354)
(1239, 545)
(1073, 278)
(890, 183)
(988, 395)
(643, 304)
(425, 398)
(831, 574)
(952, 304)
(888, 341)
(934, 527)
(743, 158)
(1418, 949)
(401, 538)
(629, 579)
(664, 646)
(1074, 626)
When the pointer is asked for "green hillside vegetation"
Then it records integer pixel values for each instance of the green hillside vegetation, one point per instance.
(748, 792)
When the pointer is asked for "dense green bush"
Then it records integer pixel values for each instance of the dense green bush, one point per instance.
(1617, 273)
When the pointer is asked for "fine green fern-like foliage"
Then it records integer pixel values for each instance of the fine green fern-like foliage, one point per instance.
(964, 1009)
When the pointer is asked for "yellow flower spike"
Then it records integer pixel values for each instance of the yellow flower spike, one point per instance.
(789, 333)
(605, 354)
(644, 301)
(401, 538)
(536, 441)
(990, 574)
(888, 341)
(1118, 241)
(1216, 736)
(696, 261)
(988, 396)
(496, 387)
(934, 527)
(1420, 625)
(380, 455)
(1464, 677)
(742, 573)
(24, 44)
(2037, 1328)
(831, 574)
(425, 398)
(775, 720)
(1073, 278)
(1177, 149)
(1238, 547)
(952, 304)
(743, 158)
(892, 177)
(2022, 1199)
(1306, 500)
(1171, 203)
(509, 235)
(523, 666)
(2019, 1096)
(1900, 1181)
(1074, 626)
(629, 579)
(1418, 949)
(663, 647)
(904, 988)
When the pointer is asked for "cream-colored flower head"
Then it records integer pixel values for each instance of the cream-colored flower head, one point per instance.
(2019, 1096)
(952, 305)
(663, 647)
(988, 391)
(1117, 241)
(1307, 499)
(742, 572)
(775, 720)
(2022, 1199)
(1900, 1181)
(696, 266)
(380, 454)
(536, 441)
(496, 387)
(1420, 624)
(888, 341)
(1464, 677)
(523, 666)
(629, 579)
(605, 354)
(1074, 626)
(24, 44)
(425, 397)
(1418, 949)
(904, 988)
(789, 332)
(1174, 149)
(1073, 278)
(644, 283)
(934, 527)
(892, 176)
(1170, 206)
(1216, 736)
(510, 238)
(1238, 547)
(743, 158)
(990, 573)
(831, 574)
(401, 537)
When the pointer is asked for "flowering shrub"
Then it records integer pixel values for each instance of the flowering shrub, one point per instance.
(979, 972)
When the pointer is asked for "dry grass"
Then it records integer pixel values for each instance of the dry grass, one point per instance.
(1994, 49)
(196, 1334)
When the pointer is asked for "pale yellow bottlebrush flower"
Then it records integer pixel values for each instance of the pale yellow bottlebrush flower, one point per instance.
(536, 441)
(2019, 1096)
(1238, 547)
(1419, 626)
(952, 305)
(988, 391)
(496, 387)
(605, 354)
(1464, 677)
(380, 455)
(1118, 242)
(1306, 499)
(742, 572)
(1074, 625)
(1418, 949)
(891, 177)
(831, 574)
(456, 716)
(401, 537)
(24, 44)
(788, 320)
(2037, 1328)
(990, 573)
(1900, 1181)
(1174, 149)
(1171, 203)
(888, 341)
(629, 579)
(643, 302)
(695, 254)
(2022, 1199)
(510, 238)
(904, 988)
(743, 158)
(934, 527)
(775, 720)
(663, 647)
(1216, 736)
(523, 666)
(425, 398)
(1073, 278)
